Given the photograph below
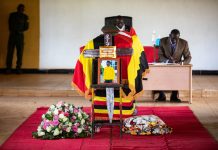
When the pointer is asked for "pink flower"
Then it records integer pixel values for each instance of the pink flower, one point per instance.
(55, 122)
(45, 125)
(76, 134)
(55, 117)
(75, 110)
(66, 114)
(73, 118)
(85, 127)
(60, 103)
(74, 128)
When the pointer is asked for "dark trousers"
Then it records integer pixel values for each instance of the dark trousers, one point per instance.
(108, 81)
(15, 40)
(173, 95)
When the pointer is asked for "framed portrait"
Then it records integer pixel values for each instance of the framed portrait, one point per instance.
(108, 71)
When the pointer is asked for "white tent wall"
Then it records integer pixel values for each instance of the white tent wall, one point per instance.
(65, 25)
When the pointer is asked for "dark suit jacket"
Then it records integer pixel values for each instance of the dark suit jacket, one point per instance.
(182, 50)
(18, 22)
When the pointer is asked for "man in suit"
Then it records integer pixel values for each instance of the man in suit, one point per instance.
(18, 23)
(172, 50)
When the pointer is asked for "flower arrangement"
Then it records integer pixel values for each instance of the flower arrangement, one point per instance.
(63, 120)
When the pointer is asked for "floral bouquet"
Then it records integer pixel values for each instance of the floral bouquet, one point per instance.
(63, 120)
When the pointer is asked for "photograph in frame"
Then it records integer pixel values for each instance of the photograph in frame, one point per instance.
(108, 71)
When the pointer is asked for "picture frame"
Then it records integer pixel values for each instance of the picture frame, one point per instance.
(108, 71)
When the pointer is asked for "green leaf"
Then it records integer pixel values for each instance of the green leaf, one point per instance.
(49, 117)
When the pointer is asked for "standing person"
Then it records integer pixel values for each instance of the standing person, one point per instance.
(109, 73)
(171, 50)
(18, 23)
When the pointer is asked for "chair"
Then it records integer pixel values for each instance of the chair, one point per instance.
(151, 53)
(152, 56)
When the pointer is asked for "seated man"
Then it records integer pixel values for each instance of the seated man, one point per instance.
(171, 50)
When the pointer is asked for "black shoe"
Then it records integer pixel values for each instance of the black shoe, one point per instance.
(8, 71)
(19, 71)
(161, 98)
(175, 99)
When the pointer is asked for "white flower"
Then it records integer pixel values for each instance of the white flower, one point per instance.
(79, 130)
(79, 115)
(43, 116)
(48, 112)
(68, 129)
(82, 121)
(66, 110)
(41, 124)
(71, 108)
(65, 119)
(52, 107)
(41, 133)
(48, 129)
(61, 116)
(70, 124)
(55, 112)
(56, 132)
(39, 128)
(66, 104)
(59, 104)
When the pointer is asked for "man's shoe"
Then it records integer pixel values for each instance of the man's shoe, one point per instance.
(161, 99)
(8, 71)
(175, 99)
(19, 71)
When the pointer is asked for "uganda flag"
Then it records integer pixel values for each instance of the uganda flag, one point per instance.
(132, 67)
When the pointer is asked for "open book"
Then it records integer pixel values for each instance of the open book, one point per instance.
(162, 63)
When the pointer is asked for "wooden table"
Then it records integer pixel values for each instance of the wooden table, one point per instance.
(169, 77)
